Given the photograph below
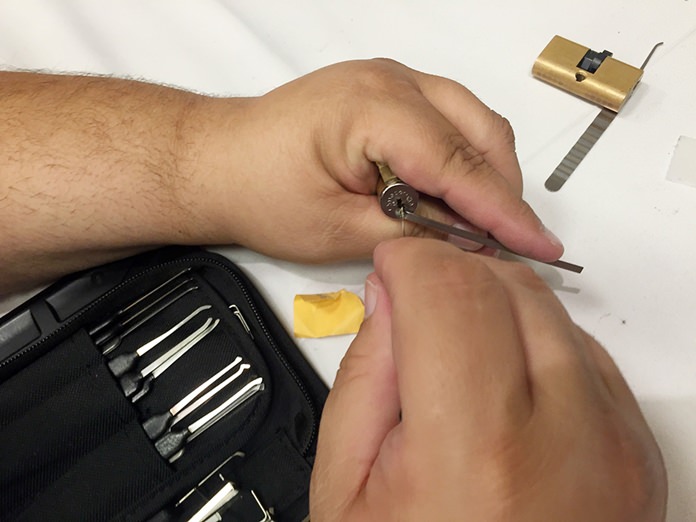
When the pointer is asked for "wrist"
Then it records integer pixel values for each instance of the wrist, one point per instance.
(210, 153)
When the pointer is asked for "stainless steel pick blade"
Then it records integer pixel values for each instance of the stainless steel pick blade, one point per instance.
(447, 229)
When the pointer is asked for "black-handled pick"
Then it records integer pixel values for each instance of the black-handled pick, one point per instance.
(171, 444)
(136, 384)
(125, 362)
(159, 423)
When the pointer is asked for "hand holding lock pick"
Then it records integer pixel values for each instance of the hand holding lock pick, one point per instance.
(508, 411)
(469, 394)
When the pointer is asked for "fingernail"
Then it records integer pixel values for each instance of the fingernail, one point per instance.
(370, 297)
(553, 238)
(460, 242)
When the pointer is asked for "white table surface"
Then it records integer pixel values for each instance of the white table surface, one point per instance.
(634, 230)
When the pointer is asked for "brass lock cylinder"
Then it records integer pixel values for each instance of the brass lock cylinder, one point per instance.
(594, 76)
(395, 196)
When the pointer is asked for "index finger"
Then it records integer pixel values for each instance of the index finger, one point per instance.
(458, 359)
(488, 132)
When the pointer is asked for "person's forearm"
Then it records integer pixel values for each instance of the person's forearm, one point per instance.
(92, 168)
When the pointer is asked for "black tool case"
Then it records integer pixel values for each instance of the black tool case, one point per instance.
(74, 400)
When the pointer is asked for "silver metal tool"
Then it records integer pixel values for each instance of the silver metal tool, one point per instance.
(200, 401)
(135, 303)
(169, 357)
(125, 361)
(578, 152)
(137, 384)
(156, 425)
(238, 313)
(111, 338)
(171, 444)
(242, 504)
(114, 326)
(210, 509)
(423, 221)
(229, 497)
(585, 143)
(390, 191)
(251, 388)
(265, 515)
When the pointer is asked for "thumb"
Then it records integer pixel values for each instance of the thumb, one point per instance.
(361, 409)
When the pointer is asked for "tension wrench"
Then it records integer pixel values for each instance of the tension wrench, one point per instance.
(400, 200)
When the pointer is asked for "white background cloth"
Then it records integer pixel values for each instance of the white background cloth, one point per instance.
(633, 230)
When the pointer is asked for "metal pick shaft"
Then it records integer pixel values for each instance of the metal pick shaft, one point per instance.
(159, 423)
(115, 317)
(441, 227)
(171, 443)
(124, 362)
(136, 384)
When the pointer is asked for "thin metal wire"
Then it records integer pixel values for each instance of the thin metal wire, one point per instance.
(647, 59)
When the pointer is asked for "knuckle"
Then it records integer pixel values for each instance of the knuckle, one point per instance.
(355, 365)
(378, 76)
(519, 211)
(502, 127)
(462, 157)
(525, 211)
(382, 61)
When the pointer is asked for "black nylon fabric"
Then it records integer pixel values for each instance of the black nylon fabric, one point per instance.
(73, 446)
(55, 427)
(288, 463)
(103, 481)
